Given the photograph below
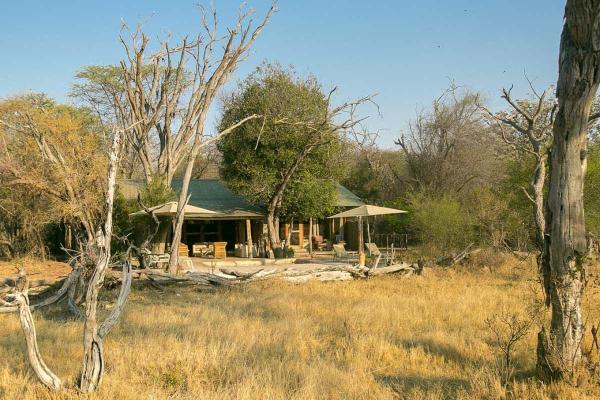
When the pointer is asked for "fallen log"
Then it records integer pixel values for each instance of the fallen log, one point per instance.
(228, 277)
(324, 276)
(449, 261)
(392, 269)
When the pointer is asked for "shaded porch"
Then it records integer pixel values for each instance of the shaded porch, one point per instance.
(328, 230)
(235, 236)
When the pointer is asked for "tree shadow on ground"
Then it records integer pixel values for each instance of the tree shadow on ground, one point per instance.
(443, 350)
(400, 384)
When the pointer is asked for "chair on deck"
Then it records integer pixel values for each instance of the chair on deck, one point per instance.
(340, 253)
(201, 250)
(153, 260)
(372, 249)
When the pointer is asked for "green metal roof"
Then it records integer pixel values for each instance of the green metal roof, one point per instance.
(345, 198)
(212, 194)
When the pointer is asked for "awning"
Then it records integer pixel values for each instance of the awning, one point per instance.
(367, 211)
(170, 209)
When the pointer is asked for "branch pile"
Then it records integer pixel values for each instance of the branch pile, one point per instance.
(226, 277)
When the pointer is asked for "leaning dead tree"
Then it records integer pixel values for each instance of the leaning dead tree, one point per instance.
(528, 130)
(566, 245)
(209, 81)
(96, 258)
(170, 89)
(171, 92)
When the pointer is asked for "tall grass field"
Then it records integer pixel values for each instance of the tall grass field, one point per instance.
(421, 337)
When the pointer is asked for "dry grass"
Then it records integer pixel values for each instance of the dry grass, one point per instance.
(416, 338)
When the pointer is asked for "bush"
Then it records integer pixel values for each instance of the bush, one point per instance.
(591, 192)
(440, 223)
(151, 195)
(286, 252)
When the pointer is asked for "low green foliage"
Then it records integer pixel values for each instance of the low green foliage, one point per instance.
(151, 195)
(592, 190)
(441, 222)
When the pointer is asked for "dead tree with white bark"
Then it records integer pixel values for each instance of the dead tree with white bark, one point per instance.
(95, 259)
(559, 352)
(208, 79)
(527, 128)
(171, 90)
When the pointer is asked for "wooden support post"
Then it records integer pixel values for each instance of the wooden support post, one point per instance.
(249, 238)
(310, 235)
(286, 230)
(331, 229)
(342, 227)
(361, 246)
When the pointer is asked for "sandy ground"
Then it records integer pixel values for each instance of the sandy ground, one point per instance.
(54, 270)
(36, 269)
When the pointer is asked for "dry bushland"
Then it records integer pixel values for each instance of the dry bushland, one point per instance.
(422, 337)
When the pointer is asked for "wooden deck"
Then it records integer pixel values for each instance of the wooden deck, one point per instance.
(239, 262)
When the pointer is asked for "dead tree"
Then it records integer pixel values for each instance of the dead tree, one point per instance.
(207, 81)
(566, 246)
(529, 128)
(171, 92)
(97, 254)
(93, 333)
(18, 298)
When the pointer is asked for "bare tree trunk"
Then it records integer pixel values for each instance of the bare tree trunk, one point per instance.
(539, 203)
(273, 230)
(180, 217)
(566, 244)
(185, 184)
(46, 376)
(93, 357)
(537, 186)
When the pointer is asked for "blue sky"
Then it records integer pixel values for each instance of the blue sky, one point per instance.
(405, 51)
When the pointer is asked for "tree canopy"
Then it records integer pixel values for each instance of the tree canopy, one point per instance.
(256, 157)
(52, 160)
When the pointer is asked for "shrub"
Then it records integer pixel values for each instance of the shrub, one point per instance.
(440, 223)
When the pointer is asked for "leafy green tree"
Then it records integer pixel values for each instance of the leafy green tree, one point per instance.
(283, 159)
